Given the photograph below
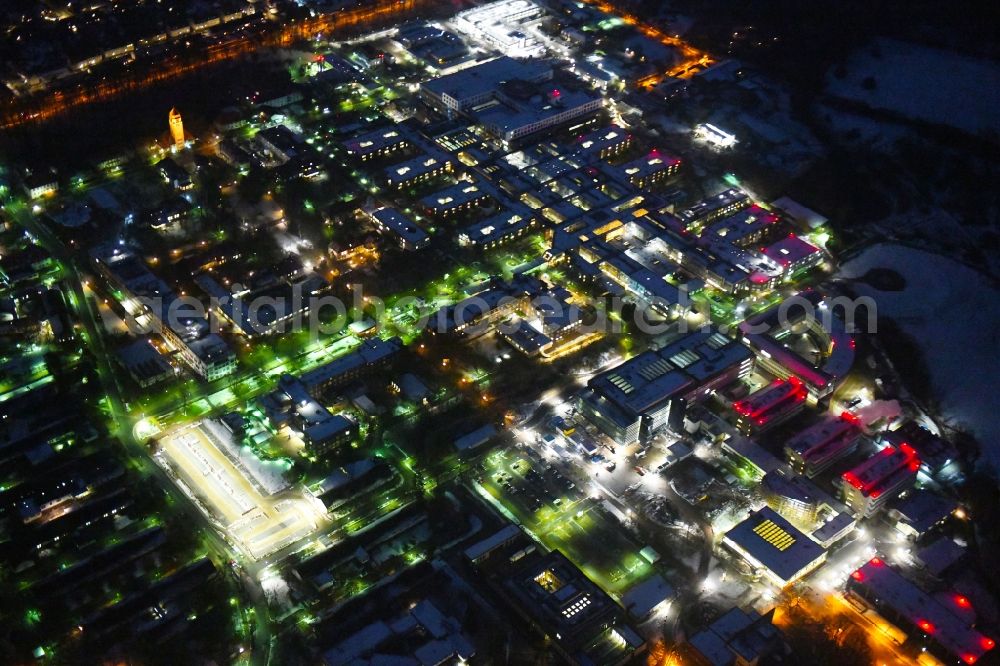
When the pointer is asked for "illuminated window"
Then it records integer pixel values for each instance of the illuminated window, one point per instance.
(548, 581)
(576, 606)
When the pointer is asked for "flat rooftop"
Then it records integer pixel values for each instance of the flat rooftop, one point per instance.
(649, 164)
(485, 78)
(775, 543)
(453, 196)
(497, 226)
(414, 168)
(374, 141)
(774, 398)
(653, 377)
(734, 228)
(944, 625)
(598, 140)
(400, 225)
(819, 439)
(706, 207)
(883, 470)
(790, 250)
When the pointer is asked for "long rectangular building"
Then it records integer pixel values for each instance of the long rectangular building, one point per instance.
(817, 447)
(647, 170)
(372, 354)
(391, 221)
(377, 143)
(941, 621)
(182, 326)
(771, 405)
(874, 482)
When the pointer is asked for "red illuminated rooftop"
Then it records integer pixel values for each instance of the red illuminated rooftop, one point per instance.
(883, 469)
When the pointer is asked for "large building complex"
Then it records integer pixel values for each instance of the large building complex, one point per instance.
(184, 327)
(525, 373)
(565, 606)
(508, 99)
(652, 390)
(765, 334)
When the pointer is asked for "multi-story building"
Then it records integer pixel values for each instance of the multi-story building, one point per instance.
(747, 228)
(373, 354)
(604, 143)
(417, 170)
(770, 406)
(739, 637)
(761, 333)
(390, 221)
(807, 506)
(476, 314)
(820, 445)
(182, 326)
(505, 97)
(461, 91)
(498, 229)
(377, 143)
(652, 390)
(713, 208)
(454, 199)
(566, 607)
(873, 483)
(791, 497)
(793, 254)
(293, 405)
(647, 171)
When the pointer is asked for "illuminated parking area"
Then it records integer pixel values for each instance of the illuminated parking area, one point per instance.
(255, 522)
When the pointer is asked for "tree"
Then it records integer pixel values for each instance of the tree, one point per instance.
(839, 644)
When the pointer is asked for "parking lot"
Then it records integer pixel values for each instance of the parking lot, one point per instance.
(548, 499)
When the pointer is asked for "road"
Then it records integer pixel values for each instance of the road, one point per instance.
(38, 108)
(125, 422)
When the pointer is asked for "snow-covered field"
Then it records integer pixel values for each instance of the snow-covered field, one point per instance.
(953, 312)
(925, 84)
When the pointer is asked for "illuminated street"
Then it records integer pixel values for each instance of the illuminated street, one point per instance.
(585, 332)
